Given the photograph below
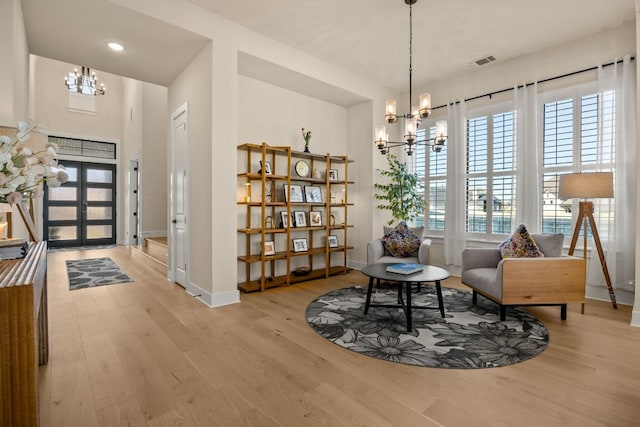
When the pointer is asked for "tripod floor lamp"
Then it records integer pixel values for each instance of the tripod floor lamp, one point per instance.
(588, 186)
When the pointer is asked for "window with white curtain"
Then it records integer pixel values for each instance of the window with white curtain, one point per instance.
(435, 179)
(571, 126)
(419, 168)
(491, 174)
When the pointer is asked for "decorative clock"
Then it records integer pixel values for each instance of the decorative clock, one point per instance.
(302, 168)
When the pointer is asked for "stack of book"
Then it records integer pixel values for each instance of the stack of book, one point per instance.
(13, 248)
(405, 268)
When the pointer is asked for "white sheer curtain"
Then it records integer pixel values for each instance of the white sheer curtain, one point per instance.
(455, 203)
(528, 177)
(616, 217)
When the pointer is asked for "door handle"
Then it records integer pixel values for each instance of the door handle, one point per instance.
(175, 221)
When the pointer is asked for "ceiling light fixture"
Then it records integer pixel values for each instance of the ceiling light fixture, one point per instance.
(84, 83)
(115, 46)
(416, 114)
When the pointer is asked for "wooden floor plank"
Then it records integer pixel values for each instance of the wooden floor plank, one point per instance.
(146, 353)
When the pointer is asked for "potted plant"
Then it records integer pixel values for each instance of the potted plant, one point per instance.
(400, 194)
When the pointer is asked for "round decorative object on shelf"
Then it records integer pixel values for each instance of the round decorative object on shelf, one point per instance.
(301, 271)
(302, 168)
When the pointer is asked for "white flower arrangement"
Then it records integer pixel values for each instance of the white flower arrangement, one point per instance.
(25, 164)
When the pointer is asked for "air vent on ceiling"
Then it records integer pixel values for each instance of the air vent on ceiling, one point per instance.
(484, 60)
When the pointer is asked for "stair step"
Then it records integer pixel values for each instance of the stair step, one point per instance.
(138, 253)
(157, 248)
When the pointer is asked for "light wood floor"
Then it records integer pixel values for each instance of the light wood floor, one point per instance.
(147, 354)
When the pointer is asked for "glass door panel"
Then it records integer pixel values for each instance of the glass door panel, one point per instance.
(82, 211)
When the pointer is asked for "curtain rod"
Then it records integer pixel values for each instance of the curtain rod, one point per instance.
(573, 73)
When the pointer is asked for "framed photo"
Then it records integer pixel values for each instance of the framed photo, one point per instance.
(284, 219)
(333, 241)
(300, 245)
(300, 218)
(313, 194)
(333, 174)
(266, 166)
(269, 248)
(315, 219)
(296, 193)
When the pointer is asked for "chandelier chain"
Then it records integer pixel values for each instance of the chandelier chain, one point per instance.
(410, 54)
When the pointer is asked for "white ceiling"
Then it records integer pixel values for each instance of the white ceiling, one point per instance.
(366, 37)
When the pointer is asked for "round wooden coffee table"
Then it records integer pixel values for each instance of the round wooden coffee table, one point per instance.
(429, 274)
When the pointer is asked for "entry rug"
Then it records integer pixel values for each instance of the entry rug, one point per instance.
(469, 337)
(87, 273)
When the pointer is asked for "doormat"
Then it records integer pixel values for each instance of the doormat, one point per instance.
(87, 273)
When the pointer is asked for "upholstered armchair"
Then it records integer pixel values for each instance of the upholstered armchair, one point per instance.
(378, 254)
(551, 280)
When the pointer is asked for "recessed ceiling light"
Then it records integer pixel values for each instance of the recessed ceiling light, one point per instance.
(115, 46)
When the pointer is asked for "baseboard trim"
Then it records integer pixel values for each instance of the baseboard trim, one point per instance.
(635, 318)
(218, 299)
(356, 265)
(152, 233)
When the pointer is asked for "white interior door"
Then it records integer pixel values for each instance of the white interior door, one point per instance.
(179, 239)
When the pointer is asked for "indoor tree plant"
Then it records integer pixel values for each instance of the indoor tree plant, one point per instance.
(399, 195)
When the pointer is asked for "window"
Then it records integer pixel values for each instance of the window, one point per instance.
(84, 148)
(435, 179)
(490, 180)
(573, 142)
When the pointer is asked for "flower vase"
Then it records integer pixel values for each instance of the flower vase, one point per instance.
(306, 149)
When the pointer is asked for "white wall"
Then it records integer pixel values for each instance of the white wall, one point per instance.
(154, 179)
(275, 115)
(193, 86)
(14, 67)
(52, 100)
(132, 124)
(635, 320)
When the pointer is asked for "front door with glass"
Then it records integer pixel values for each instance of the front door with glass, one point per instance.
(82, 212)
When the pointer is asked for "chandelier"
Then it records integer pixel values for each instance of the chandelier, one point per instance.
(84, 83)
(414, 117)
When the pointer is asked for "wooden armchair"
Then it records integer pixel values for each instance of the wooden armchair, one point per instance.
(552, 280)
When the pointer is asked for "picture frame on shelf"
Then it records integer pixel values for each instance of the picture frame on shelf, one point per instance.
(300, 219)
(334, 197)
(333, 174)
(300, 244)
(267, 167)
(333, 240)
(269, 248)
(269, 223)
(315, 219)
(297, 196)
(284, 220)
(313, 194)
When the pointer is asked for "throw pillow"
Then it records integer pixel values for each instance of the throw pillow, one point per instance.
(549, 244)
(520, 245)
(401, 241)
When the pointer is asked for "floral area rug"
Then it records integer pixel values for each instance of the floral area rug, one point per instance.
(86, 273)
(469, 337)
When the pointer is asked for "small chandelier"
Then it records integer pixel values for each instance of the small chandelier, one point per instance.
(85, 83)
(416, 114)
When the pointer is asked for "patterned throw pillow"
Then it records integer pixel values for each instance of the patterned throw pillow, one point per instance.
(401, 241)
(520, 245)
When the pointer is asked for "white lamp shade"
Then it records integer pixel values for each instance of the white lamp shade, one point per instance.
(425, 104)
(441, 129)
(380, 134)
(391, 111)
(410, 129)
(592, 185)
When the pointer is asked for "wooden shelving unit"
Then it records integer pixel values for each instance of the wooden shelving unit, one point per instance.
(270, 201)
